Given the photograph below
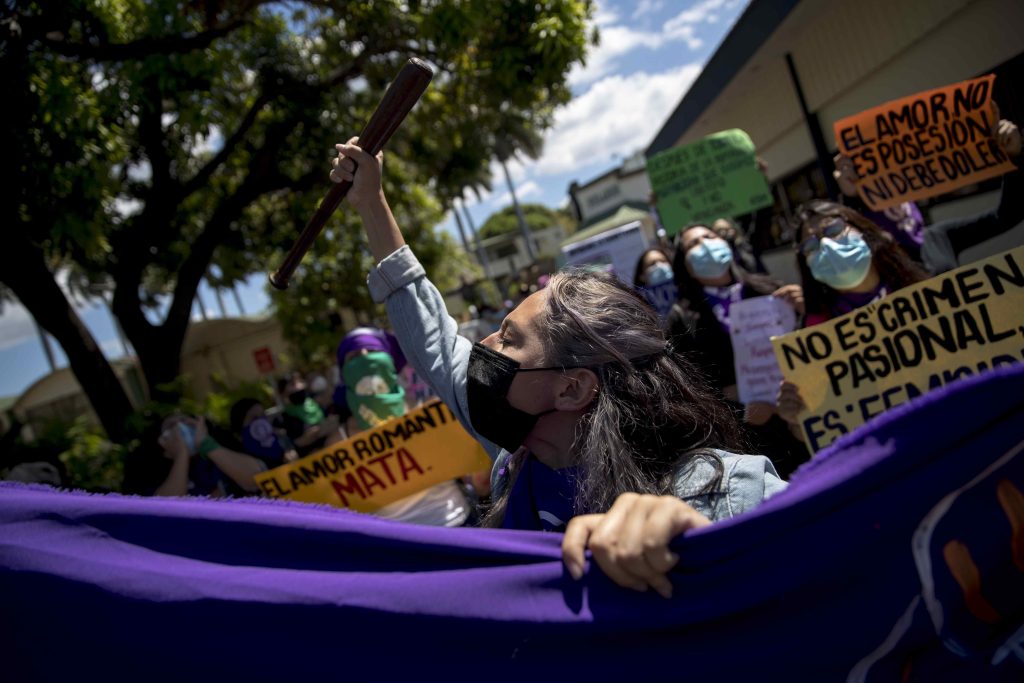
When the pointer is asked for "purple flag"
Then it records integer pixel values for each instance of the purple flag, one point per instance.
(896, 553)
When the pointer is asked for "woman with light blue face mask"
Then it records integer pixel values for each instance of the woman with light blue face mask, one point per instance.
(710, 281)
(656, 279)
(845, 262)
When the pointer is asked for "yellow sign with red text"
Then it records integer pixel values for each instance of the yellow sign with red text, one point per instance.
(396, 459)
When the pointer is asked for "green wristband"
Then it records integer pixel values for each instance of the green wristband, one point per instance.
(207, 446)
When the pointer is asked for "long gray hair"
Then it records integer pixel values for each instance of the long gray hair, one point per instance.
(654, 412)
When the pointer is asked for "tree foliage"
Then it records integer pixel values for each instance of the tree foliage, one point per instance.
(537, 216)
(148, 140)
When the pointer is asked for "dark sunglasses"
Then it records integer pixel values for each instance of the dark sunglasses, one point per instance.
(832, 229)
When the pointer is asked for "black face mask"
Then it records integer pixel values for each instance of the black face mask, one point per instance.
(490, 377)
(297, 398)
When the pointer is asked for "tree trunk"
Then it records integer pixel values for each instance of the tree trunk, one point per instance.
(24, 271)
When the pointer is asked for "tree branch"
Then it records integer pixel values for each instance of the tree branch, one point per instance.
(339, 76)
(136, 49)
(206, 172)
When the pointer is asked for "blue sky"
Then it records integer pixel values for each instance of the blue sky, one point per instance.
(650, 53)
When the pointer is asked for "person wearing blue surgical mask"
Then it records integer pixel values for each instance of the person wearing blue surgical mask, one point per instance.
(656, 279)
(710, 281)
(845, 262)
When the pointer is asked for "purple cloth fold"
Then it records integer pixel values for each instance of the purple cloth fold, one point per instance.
(840, 577)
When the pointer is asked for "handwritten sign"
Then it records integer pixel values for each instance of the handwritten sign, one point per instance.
(714, 177)
(917, 339)
(752, 324)
(396, 459)
(924, 145)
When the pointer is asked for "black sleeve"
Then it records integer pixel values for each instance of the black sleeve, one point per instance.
(946, 240)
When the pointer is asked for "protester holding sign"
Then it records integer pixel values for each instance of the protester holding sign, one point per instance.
(594, 422)
(370, 360)
(924, 145)
(845, 262)
(846, 371)
(710, 282)
(903, 221)
(938, 246)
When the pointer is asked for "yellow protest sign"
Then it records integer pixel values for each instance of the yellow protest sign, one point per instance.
(391, 461)
(924, 145)
(916, 339)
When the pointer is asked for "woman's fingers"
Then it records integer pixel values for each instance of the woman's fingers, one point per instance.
(790, 402)
(574, 543)
(630, 542)
(627, 541)
(608, 542)
(1009, 137)
(793, 295)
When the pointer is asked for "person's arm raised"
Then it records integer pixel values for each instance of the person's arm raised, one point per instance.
(420, 320)
(367, 197)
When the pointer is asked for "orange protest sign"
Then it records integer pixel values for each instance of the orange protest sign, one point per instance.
(924, 145)
(396, 459)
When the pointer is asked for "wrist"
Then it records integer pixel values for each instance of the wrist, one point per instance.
(207, 446)
(371, 205)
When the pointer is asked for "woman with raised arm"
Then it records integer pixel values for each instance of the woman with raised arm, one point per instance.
(596, 426)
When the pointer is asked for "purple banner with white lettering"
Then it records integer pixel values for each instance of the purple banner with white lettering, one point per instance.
(895, 555)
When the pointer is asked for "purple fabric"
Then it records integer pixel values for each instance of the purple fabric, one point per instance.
(542, 499)
(842, 572)
(851, 301)
(904, 222)
(372, 339)
(720, 299)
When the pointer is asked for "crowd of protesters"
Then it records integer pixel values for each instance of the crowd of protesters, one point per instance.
(609, 416)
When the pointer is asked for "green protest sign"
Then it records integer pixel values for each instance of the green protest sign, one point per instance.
(714, 177)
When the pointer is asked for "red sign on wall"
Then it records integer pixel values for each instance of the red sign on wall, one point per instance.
(264, 360)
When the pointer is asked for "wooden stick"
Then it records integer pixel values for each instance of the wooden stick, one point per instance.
(398, 101)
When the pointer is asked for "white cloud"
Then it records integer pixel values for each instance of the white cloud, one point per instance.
(617, 39)
(16, 325)
(604, 122)
(522, 191)
(645, 7)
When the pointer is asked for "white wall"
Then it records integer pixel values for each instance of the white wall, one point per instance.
(854, 55)
(610, 191)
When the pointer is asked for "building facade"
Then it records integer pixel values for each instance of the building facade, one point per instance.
(843, 58)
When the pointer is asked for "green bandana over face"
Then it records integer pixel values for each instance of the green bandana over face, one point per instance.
(309, 412)
(372, 389)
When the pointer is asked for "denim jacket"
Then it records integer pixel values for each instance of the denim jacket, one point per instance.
(429, 337)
